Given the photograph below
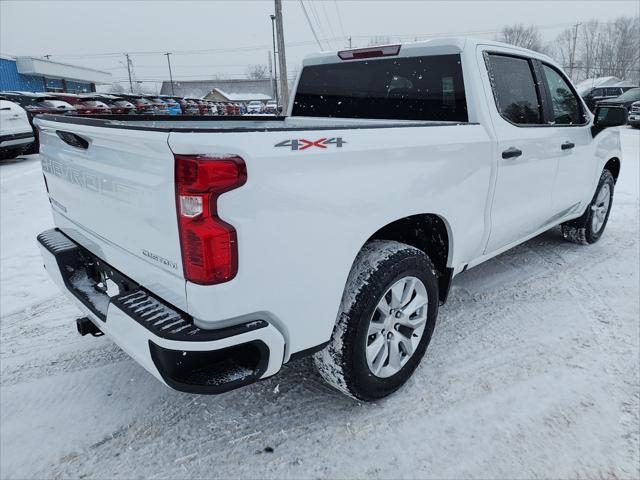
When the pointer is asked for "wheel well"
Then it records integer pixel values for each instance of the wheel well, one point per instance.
(427, 232)
(613, 165)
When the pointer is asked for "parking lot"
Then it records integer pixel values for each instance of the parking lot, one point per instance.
(532, 372)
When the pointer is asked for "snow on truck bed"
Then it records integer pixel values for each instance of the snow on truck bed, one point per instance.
(532, 372)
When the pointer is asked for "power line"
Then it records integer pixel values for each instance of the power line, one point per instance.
(292, 44)
(315, 35)
(329, 22)
(316, 17)
(335, 4)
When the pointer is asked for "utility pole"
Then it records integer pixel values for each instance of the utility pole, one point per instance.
(275, 63)
(170, 74)
(282, 62)
(129, 70)
(274, 83)
(573, 50)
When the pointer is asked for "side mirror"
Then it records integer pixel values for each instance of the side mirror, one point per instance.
(606, 117)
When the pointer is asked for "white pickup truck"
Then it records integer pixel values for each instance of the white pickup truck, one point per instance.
(215, 250)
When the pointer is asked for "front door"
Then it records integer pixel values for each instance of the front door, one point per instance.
(571, 143)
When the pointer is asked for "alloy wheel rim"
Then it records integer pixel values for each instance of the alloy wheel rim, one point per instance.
(396, 326)
(600, 208)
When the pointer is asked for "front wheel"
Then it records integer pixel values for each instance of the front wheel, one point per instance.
(385, 322)
(590, 226)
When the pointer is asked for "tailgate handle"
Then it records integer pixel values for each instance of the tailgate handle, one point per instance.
(73, 139)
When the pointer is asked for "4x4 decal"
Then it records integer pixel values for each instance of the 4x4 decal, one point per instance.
(303, 144)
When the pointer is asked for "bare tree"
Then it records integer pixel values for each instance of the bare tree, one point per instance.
(588, 52)
(602, 49)
(257, 72)
(116, 88)
(518, 34)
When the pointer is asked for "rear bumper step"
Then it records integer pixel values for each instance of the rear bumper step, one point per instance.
(161, 337)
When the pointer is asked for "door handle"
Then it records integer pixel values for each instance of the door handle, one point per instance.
(567, 145)
(511, 152)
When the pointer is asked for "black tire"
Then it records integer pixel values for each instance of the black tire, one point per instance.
(378, 266)
(581, 229)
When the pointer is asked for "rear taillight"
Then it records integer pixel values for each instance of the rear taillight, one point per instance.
(209, 245)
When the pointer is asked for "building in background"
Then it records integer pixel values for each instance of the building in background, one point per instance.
(33, 74)
(218, 95)
(240, 90)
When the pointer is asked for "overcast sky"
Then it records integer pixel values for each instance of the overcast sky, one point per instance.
(237, 33)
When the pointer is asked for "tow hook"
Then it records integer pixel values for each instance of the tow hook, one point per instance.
(86, 326)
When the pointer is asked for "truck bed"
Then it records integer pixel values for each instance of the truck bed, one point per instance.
(266, 123)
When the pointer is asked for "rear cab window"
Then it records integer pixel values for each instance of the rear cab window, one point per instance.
(401, 88)
(517, 97)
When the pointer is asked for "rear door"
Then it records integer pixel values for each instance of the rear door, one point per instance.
(526, 168)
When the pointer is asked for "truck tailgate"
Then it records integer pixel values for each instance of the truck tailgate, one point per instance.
(112, 190)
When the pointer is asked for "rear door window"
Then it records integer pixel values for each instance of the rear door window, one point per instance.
(413, 88)
(514, 89)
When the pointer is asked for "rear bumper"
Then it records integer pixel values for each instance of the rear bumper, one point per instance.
(160, 337)
(16, 139)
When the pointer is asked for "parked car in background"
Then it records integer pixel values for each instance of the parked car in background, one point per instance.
(222, 109)
(213, 107)
(143, 106)
(203, 106)
(93, 106)
(173, 106)
(16, 133)
(597, 94)
(84, 105)
(117, 105)
(229, 108)
(60, 107)
(188, 107)
(271, 107)
(634, 115)
(35, 104)
(625, 100)
(255, 106)
(160, 107)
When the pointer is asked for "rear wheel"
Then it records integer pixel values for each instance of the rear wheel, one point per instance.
(386, 319)
(590, 226)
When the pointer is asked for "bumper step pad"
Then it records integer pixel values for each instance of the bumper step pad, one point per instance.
(161, 319)
(169, 322)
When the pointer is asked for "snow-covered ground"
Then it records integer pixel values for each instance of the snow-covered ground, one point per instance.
(533, 371)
